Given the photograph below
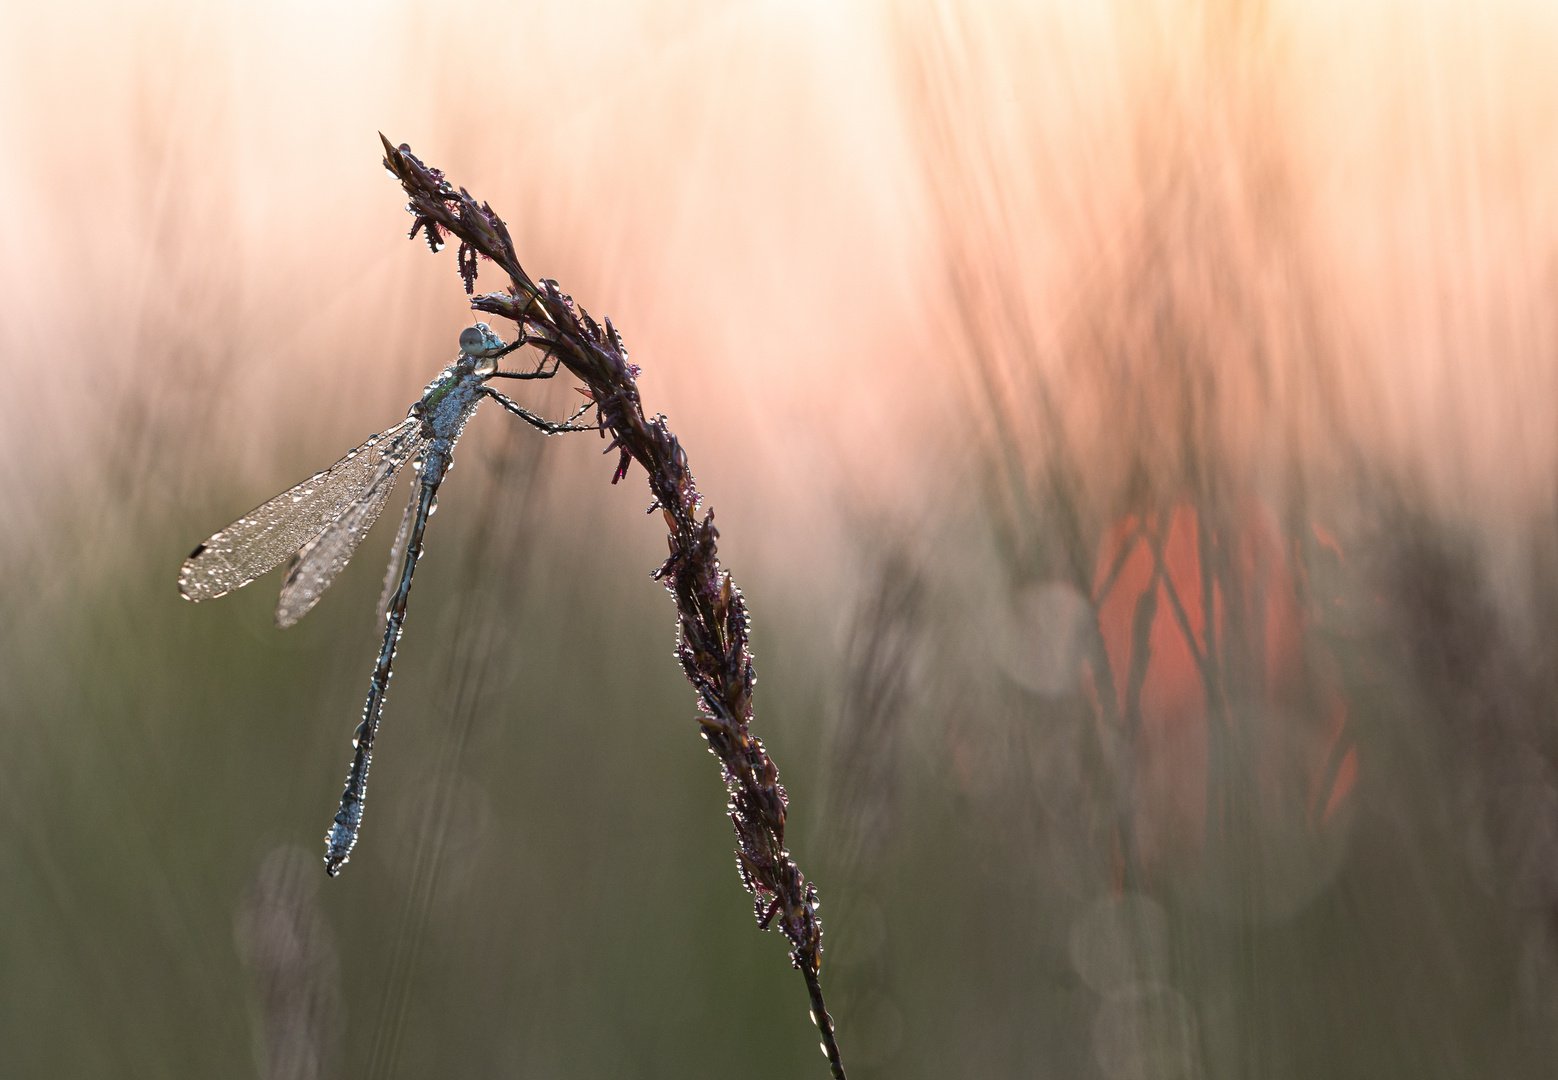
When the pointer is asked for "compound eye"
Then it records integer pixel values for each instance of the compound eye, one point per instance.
(475, 340)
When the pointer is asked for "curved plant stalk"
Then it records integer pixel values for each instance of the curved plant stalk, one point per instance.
(712, 643)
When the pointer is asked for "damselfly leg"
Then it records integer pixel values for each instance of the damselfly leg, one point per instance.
(550, 427)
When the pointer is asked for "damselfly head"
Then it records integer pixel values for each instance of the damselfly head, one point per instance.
(479, 340)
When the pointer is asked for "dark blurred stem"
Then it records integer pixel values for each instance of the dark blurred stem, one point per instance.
(819, 1013)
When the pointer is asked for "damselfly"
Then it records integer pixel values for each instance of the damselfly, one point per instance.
(320, 522)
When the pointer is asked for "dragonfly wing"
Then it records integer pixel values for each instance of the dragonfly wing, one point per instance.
(398, 553)
(263, 538)
(327, 554)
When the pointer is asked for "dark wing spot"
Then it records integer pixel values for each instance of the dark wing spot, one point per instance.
(198, 549)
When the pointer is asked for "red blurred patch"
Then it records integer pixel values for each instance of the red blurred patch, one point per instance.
(1252, 718)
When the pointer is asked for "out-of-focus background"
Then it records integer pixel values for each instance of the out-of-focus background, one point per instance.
(1134, 426)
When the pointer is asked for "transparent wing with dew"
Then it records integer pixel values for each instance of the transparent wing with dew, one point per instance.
(264, 537)
(325, 556)
(398, 553)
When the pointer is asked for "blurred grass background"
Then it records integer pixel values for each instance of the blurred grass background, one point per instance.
(941, 298)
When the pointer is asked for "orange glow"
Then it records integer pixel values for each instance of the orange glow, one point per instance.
(1268, 683)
